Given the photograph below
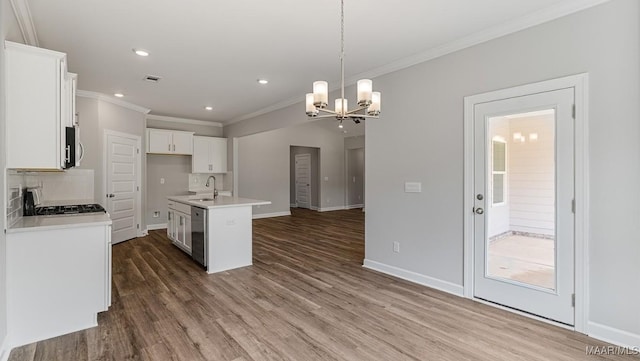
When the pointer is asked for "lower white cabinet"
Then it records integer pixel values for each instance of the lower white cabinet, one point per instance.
(57, 280)
(179, 225)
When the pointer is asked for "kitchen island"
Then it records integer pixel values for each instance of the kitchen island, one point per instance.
(224, 224)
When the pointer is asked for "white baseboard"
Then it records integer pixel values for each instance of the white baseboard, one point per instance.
(613, 335)
(441, 285)
(293, 205)
(314, 208)
(270, 215)
(152, 227)
(5, 350)
(329, 209)
(354, 206)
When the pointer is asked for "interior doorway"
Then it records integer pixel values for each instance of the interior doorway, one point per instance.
(355, 178)
(304, 181)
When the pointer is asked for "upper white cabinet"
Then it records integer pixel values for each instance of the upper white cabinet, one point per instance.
(162, 141)
(209, 155)
(40, 103)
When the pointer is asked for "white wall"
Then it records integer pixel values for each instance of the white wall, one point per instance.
(531, 176)
(4, 10)
(603, 41)
(263, 161)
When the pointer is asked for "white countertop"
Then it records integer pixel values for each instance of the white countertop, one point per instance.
(220, 202)
(44, 223)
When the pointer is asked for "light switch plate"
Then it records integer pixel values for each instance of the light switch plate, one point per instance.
(412, 187)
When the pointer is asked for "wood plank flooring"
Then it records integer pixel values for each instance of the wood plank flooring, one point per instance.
(306, 297)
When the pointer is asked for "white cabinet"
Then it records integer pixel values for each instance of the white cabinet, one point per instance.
(209, 155)
(39, 105)
(162, 141)
(60, 280)
(179, 225)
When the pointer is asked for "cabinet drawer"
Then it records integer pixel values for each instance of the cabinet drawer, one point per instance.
(181, 207)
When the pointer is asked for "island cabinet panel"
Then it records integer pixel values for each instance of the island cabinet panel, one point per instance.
(230, 238)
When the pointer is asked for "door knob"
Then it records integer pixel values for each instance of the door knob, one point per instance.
(479, 210)
(110, 195)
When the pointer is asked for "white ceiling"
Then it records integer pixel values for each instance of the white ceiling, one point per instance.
(210, 52)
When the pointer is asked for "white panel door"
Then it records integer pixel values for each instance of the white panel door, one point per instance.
(122, 180)
(523, 198)
(303, 180)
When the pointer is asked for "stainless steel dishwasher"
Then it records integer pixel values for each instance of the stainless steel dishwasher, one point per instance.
(199, 235)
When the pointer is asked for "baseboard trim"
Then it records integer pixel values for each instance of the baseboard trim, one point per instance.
(153, 227)
(614, 336)
(314, 208)
(355, 206)
(5, 350)
(411, 276)
(293, 205)
(330, 209)
(271, 215)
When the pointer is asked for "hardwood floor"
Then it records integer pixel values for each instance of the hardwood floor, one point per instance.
(306, 297)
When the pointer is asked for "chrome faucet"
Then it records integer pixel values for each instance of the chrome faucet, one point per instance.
(215, 191)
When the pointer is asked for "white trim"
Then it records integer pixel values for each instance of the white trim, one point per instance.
(580, 84)
(545, 15)
(330, 209)
(236, 161)
(138, 139)
(293, 205)
(270, 215)
(164, 118)
(25, 22)
(314, 208)
(153, 227)
(5, 349)
(414, 277)
(525, 314)
(112, 100)
(614, 335)
(354, 206)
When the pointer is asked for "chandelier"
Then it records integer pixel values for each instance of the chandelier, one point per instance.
(368, 100)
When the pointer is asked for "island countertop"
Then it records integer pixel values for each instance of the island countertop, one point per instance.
(219, 202)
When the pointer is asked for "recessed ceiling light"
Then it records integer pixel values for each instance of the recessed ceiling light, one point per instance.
(208, 108)
(118, 95)
(141, 52)
(263, 81)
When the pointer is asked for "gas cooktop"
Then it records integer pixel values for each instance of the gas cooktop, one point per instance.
(69, 210)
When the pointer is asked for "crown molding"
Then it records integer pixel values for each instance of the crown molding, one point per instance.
(183, 120)
(25, 21)
(112, 100)
(542, 16)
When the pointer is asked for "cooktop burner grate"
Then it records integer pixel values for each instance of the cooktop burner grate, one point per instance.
(69, 209)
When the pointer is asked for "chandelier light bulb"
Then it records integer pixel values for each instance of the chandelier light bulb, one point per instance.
(341, 107)
(312, 111)
(320, 94)
(374, 107)
(365, 87)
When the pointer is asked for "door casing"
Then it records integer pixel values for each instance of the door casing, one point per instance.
(579, 83)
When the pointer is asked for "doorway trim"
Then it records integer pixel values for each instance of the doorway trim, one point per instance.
(138, 139)
(579, 83)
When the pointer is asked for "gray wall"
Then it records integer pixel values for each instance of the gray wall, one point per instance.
(315, 174)
(603, 41)
(263, 161)
(96, 116)
(174, 169)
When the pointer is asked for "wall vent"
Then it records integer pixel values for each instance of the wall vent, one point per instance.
(152, 78)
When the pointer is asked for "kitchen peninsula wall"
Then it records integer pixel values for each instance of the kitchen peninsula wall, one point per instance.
(169, 175)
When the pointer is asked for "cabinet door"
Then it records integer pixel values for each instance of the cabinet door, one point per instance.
(33, 107)
(219, 155)
(182, 143)
(159, 141)
(200, 160)
(171, 225)
(187, 232)
(181, 229)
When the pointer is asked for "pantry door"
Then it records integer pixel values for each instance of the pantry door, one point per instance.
(122, 184)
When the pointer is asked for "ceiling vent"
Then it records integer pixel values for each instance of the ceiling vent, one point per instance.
(152, 78)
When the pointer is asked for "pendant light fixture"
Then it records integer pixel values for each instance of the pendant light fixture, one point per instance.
(368, 100)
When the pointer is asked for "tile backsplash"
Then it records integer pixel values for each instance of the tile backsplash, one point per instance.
(71, 185)
(15, 183)
(197, 182)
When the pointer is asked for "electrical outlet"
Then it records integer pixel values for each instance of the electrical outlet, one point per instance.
(396, 247)
(156, 214)
(161, 180)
